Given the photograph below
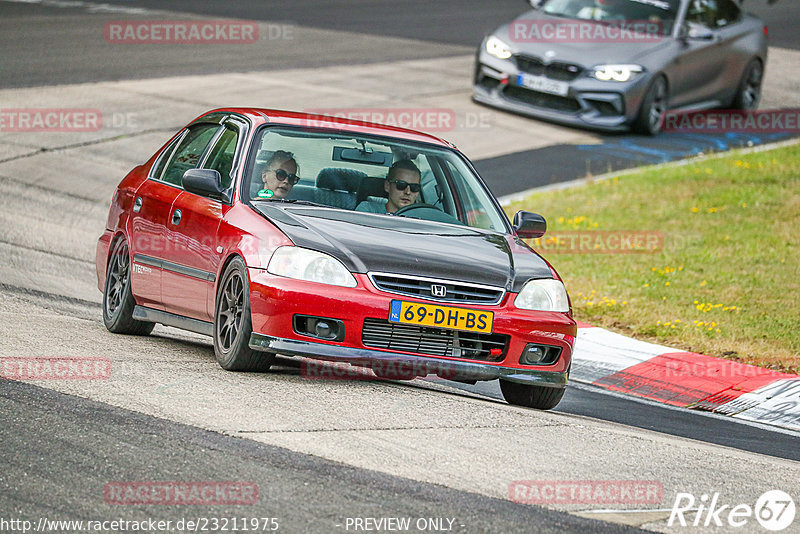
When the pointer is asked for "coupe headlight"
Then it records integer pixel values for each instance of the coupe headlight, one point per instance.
(543, 295)
(616, 73)
(497, 48)
(304, 264)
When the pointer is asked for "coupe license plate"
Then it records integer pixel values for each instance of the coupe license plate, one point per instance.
(441, 316)
(545, 85)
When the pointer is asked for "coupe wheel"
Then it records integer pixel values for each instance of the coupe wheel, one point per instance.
(539, 397)
(233, 323)
(118, 302)
(651, 114)
(749, 93)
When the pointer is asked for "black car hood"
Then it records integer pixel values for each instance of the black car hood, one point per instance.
(580, 53)
(383, 243)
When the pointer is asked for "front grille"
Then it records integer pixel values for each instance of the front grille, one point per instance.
(541, 100)
(381, 334)
(531, 65)
(420, 287)
(565, 72)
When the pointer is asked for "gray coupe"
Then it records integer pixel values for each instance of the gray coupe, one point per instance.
(614, 65)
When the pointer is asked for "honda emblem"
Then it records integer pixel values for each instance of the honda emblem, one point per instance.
(438, 290)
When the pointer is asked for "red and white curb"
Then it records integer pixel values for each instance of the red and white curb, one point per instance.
(663, 374)
(618, 363)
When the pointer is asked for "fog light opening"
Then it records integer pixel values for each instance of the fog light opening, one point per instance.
(319, 327)
(535, 354)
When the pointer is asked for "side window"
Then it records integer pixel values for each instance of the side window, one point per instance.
(427, 180)
(221, 156)
(473, 206)
(475, 215)
(727, 13)
(188, 154)
(435, 188)
(702, 12)
(165, 156)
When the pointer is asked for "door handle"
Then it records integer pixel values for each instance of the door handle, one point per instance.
(137, 205)
(176, 217)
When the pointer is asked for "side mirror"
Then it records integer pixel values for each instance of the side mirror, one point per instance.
(697, 32)
(536, 4)
(529, 225)
(204, 182)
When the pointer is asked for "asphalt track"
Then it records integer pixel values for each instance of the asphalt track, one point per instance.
(45, 431)
(66, 447)
(460, 24)
(53, 45)
(590, 401)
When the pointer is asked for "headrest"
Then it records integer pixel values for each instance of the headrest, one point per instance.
(255, 183)
(339, 179)
(371, 187)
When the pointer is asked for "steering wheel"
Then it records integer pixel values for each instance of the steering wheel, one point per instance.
(410, 207)
(428, 212)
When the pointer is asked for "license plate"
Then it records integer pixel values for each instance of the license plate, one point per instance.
(441, 316)
(545, 85)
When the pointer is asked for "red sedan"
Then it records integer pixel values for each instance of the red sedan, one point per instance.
(285, 233)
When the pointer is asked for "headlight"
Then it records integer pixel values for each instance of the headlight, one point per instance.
(543, 295)
(616, 73)
(497, 48)
(304, 264)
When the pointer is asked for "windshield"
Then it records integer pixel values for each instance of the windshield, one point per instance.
(380, 177)
(663, 12)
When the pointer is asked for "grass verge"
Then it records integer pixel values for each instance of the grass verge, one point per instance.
(703, 257)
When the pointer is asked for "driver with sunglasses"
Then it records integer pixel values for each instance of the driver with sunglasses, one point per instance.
(402, 188)
(279, 175)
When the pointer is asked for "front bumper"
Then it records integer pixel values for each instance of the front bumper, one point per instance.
(275, 301)
(590, 103)
(450, 369)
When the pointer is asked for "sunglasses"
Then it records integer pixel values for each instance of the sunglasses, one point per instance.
(283, 175)
(402, 184)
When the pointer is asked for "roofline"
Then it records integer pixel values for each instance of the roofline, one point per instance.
(314, 120)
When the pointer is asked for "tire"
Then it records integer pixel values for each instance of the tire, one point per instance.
(233, 323)
(748, 94)
(654, 105)
(118, 302)
(539, 397)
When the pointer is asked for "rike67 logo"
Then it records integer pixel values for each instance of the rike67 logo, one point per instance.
(774, 510)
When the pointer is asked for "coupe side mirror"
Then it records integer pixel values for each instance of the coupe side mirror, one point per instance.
(204, 182)
(529, 225)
